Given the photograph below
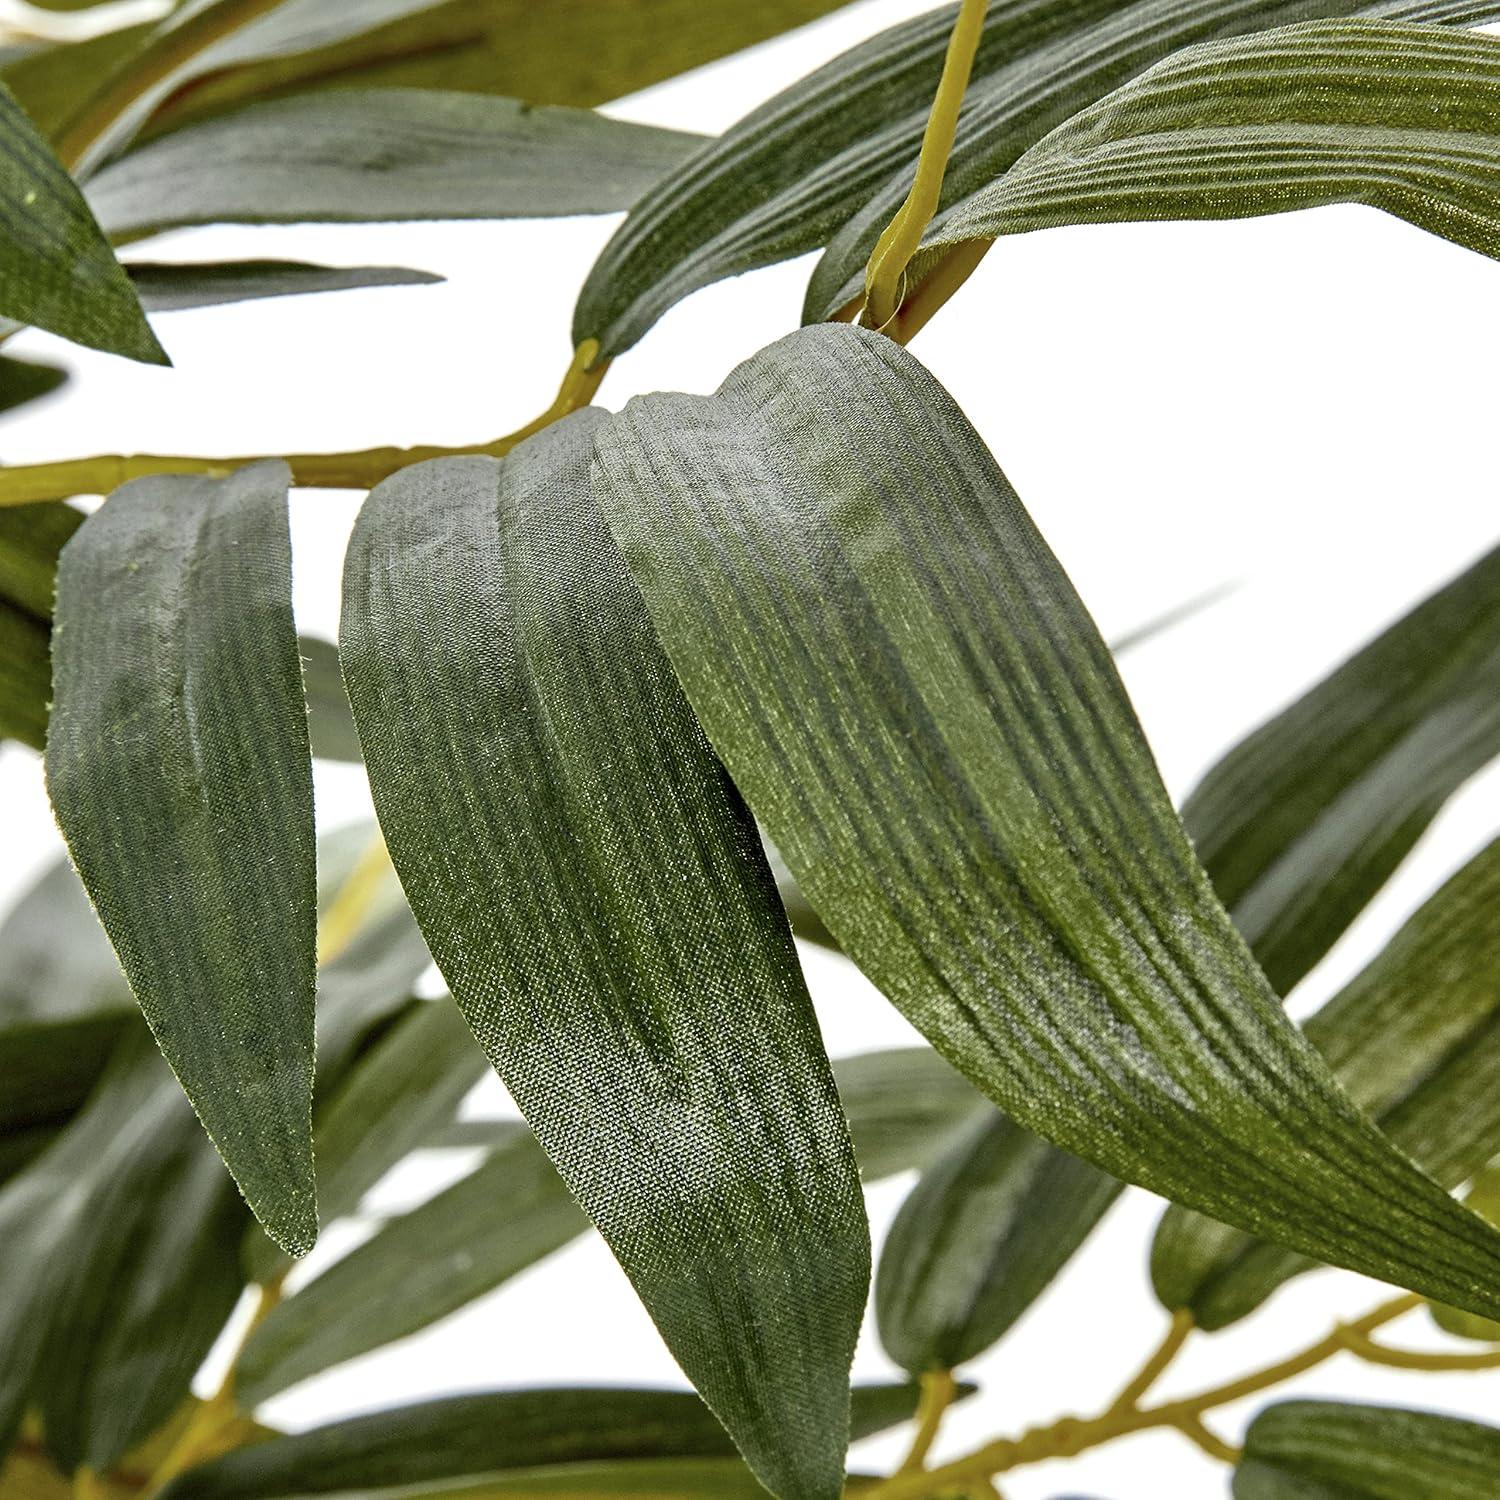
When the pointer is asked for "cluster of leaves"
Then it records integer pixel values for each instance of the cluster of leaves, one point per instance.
(633, 692)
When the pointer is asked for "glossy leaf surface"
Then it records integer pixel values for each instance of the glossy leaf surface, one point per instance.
(178, 745)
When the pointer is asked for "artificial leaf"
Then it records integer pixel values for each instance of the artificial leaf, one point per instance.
(1484, 1198)
(1330, 1450)
(178, 766)
(382, 154)
(417, 1268)
(785, 178)
(481, 1437)
(1400, 117)
(164, 287)
(513, 47)
(904, 1107)
(979, 1239)
(31, 537)
(25, 676)
(623, 958)
(23, 381)
(330, 725)
(56, 268)
(913, 700)
(1415, 1041)
(117, 1265)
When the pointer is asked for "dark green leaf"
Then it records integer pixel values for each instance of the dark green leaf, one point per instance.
(56, 269)
(31, 537)
(1483, 1198)
(917, 706)
(1400, 117)
(1329, 1450)
(979, 1240)
(25, 676)
(117, 1265)
(172, 288)
(1415, 1041)
(179, 770)
(381, 154)
(622, 957)
(471, 1437)
(904, 1107)
(330, 724)
(787, 176)
(505, 1216)
(25, 380)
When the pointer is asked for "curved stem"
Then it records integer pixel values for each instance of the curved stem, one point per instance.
(1149, 1373)
(1376, 1353)
(938, 1390)
(28, 484)
(896, 246)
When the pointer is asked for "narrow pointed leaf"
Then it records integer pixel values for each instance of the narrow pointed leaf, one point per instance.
(474, 1236)
(1399, 117)
(1484, 1198)
(330, 725)
(474, 1437)
(1415, 1040)
(1329, 1450)
(979, 1239)
(166, 287)
(361, 157)
(56, 268)
(23, 381)
(904, 1107)
(918, 708)
(179, 770)
(623, 959)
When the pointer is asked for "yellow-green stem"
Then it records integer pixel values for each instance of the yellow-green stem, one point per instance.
(896, 246)
(938, 1391)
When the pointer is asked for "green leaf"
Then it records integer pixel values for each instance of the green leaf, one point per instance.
(1330, 1450)
(179, 770)
(25, 380)
(915, 703)
(623, 958)
(1399, 117)
(330, 724)
(1415, 1041)
(785, 178)
(31, 538)
(56, 269)
(1484, 1198)
(505, 1216)
(117, 1266)
(25, 676)
(482, 1437)
(979, 1239)
(513, 47)
(1305, 820)
(904, 1107)
(382, 154)
(174, 287)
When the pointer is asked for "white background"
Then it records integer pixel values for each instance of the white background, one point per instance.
(1304, 407)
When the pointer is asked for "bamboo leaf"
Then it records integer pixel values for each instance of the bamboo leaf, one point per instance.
(1399, 117)
(979, 1239)
(31, 538)
(916, 705)
(383, 154)
(23, 381)
(1415, 1040)
(330, 724)
(56, 268)
(483, 1437)
(1484, 1198)
(25, 676)
(623, 959)
(1328, 1450)
(164, 287)
(178, 767)
(837, 148)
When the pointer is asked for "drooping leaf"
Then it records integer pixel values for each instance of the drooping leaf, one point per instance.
(482, 1437)
(512, 47)
(916, 705)
(979, 1239)
(1330, 1450)
(117, 1266)
(505, 1216)
(1400, 117)
(785, 178)
(23, 381)
(382, 154)
(1484, 1198)
(904, 1107)
(330, 724)
(164, 287)
(623, 958)
(178, 766)
(1415, 1041)
(56, 268)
